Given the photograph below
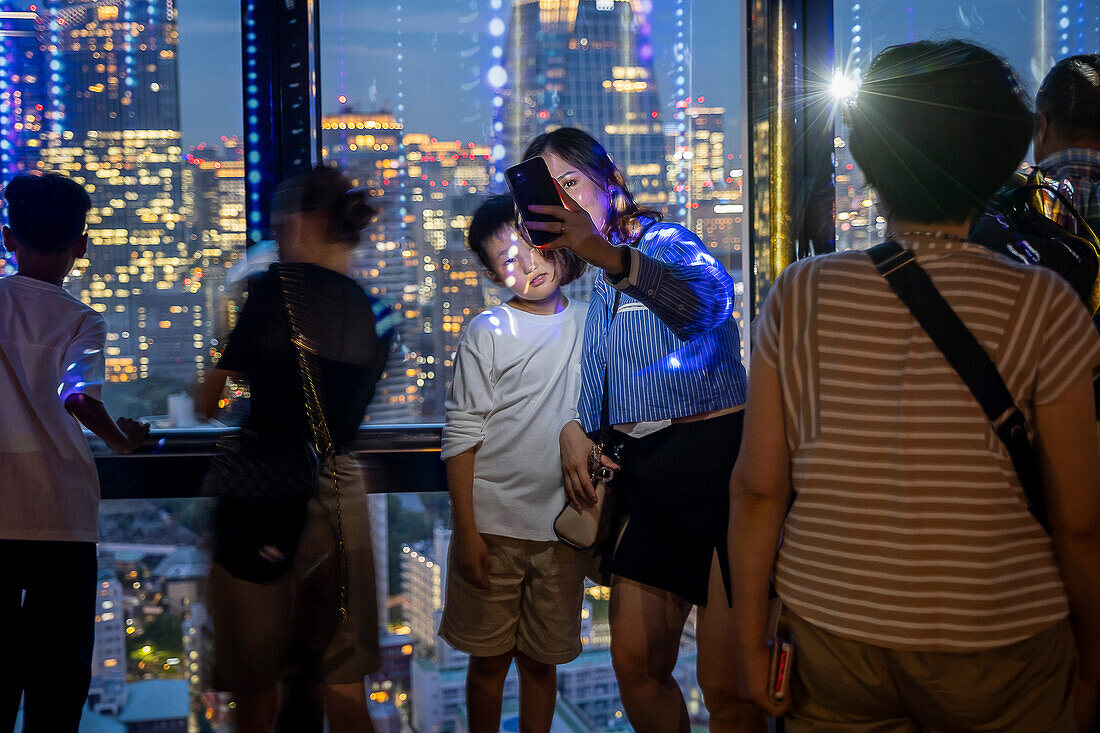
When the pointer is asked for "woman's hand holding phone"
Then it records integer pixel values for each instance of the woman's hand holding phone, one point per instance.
(576, 232)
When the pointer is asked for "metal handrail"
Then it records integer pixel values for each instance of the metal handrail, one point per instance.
(171, 463)
(200, 441)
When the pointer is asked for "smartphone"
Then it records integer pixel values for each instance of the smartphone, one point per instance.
(531, 183)
(782, 648)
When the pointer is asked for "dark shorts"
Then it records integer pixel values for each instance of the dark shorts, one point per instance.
(675, 495)
(263, 632)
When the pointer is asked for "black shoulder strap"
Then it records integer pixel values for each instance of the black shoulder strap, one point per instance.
(913, 286)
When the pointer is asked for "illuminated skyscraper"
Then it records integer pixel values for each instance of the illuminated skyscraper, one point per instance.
(114, 126)
(214, 191)
(107, 691)
(22, 91)
(366, 148)
(587, 64)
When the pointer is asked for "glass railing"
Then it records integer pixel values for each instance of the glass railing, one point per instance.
(153, 631)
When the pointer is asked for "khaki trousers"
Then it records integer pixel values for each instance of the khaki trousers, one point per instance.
(846, 685)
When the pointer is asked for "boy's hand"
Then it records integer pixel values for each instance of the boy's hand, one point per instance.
(472, 556)
(134, 432)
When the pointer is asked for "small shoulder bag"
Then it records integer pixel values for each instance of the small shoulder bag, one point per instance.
(963, 352)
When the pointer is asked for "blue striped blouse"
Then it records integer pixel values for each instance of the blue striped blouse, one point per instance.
(674, 348)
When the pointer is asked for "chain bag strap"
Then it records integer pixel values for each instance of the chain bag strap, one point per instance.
(292, 282)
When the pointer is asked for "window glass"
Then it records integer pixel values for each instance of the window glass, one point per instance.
(426, 103)
(117, 96)
(1031, 35)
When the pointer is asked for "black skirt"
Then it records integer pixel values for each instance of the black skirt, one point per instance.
(674, 493)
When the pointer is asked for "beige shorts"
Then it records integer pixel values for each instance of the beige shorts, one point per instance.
(532, 606)
(262, 631)
(844, 685)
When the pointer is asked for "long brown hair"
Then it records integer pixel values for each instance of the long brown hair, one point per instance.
(578, 148)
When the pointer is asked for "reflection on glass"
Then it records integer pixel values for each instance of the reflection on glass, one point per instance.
(1030, 34)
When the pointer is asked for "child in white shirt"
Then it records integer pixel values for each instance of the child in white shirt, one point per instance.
(51, 371)
(513, 590)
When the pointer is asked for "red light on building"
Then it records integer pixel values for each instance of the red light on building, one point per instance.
(653, 114)
(702, 99)
(544, 115)
(342, 99)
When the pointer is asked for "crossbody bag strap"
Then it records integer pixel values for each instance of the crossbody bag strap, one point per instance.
(967, 357)
(292, 282)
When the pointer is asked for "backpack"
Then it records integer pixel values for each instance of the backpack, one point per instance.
(1016, 224)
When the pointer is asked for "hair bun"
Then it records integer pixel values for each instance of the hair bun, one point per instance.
(351, 213)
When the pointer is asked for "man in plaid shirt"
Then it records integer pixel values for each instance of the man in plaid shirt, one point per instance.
(1067, 141)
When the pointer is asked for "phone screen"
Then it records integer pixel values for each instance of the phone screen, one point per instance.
(531, 183)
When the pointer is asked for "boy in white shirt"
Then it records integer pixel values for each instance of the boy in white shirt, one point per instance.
(51, 371)
(513, 590)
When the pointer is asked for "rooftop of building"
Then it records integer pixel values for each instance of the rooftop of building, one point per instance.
(151, 700)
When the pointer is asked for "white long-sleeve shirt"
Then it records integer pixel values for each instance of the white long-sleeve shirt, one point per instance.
(516, 383)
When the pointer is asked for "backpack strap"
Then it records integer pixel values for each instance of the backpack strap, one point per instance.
(963, 352)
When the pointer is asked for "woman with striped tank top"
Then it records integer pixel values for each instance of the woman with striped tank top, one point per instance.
(921, 592)
(661, 335)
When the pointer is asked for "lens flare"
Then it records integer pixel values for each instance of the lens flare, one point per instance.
(844, 88)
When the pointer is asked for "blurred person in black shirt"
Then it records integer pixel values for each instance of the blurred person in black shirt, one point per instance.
(268, 633)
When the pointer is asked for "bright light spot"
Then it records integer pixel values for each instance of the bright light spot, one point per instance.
(342, 99)
(496, 27)
(497, 76)
(844, 88)
(498, 152)
(510, 281)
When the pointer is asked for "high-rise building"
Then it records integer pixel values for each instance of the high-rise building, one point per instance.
(107, 691)
(367, 147)
(213, 191)
(585, 63)
(22, 91)
(114, 127)
(414, 256)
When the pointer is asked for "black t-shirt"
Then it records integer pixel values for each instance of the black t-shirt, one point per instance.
(340, 319)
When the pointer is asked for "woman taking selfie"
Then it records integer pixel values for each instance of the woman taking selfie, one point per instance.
(661, 335)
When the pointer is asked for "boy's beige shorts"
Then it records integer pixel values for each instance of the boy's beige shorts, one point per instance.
(533, 604)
